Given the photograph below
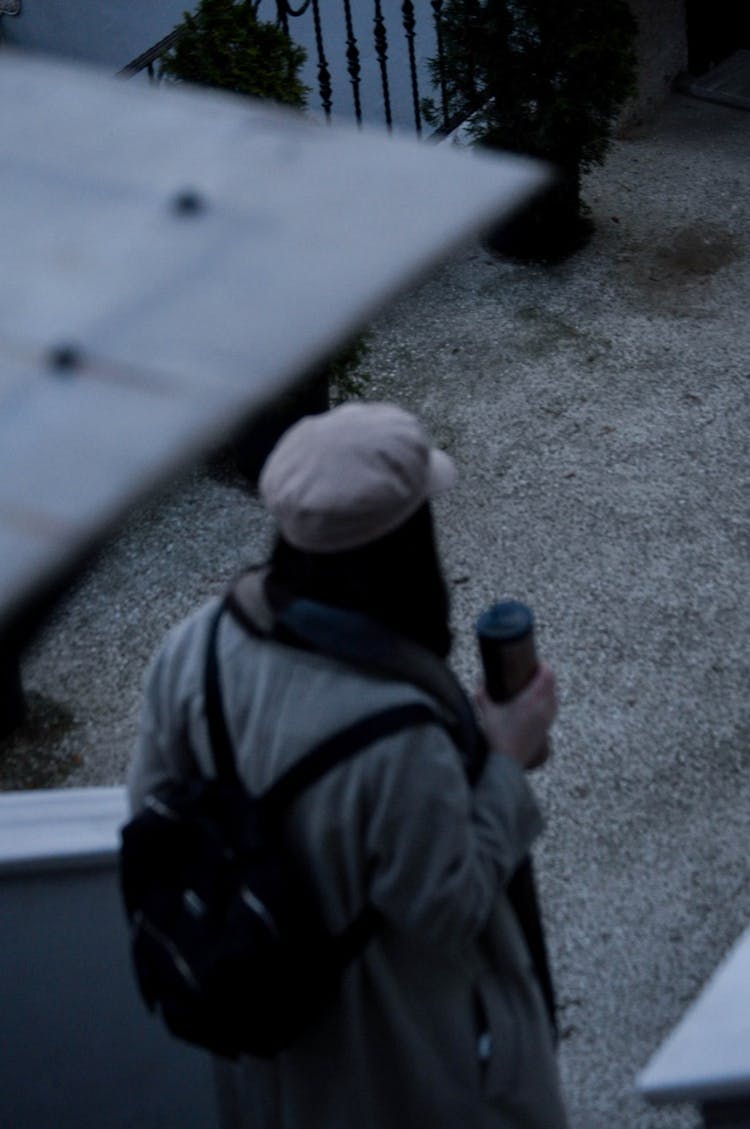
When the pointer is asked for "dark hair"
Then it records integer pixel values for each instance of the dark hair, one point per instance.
(397, 580)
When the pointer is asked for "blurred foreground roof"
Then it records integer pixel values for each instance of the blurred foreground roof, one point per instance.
(171, 258)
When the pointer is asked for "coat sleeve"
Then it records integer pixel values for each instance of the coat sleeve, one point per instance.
(172, 701)
(439, 853)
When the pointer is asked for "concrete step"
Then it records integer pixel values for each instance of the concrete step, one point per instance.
(729, 82)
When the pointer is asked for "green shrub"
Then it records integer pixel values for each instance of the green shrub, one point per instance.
(540, 77)
(224, 44)
(347, 376)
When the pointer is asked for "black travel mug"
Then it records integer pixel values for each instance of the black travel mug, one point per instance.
(506, 644)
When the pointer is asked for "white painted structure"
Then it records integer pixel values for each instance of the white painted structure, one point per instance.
(706, 1059)
(172, 258)
(78, 1050)
(108, 32)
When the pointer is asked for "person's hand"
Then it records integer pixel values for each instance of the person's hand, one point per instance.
(519, 727)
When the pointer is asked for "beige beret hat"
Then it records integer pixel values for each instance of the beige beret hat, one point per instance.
(339, 480)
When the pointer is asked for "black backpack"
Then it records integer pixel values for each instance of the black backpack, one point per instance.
(227, 941)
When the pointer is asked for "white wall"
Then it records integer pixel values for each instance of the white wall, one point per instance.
(662, 54)
(78, 1050)
(110, 32)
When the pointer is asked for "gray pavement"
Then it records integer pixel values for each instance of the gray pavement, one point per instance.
(598, 411)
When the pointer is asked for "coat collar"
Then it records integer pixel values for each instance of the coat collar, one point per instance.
(365, 643)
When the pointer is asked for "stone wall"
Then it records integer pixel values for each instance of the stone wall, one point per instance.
(662, 55)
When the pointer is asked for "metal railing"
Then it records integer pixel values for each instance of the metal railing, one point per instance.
(146, 60)
(392, 56)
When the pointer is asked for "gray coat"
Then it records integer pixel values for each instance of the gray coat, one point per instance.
(400, 1046)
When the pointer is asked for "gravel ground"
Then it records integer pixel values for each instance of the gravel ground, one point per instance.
(598, 411)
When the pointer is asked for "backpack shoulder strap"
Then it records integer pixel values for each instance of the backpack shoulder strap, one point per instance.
(335, 749)
(219, 741)
(344, 744)
(326, 755)
(363, 643)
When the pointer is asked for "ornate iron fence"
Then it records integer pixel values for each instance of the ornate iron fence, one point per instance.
(378, 48)
(382, 39)
(147, 60)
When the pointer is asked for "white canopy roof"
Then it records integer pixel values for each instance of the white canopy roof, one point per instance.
(169, 259)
